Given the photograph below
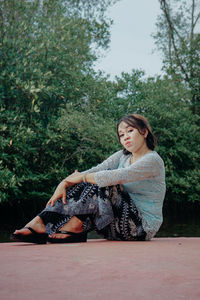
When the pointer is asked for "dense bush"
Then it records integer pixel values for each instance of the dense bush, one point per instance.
(58, 115)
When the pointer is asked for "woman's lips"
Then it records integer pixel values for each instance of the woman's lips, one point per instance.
(128, 144)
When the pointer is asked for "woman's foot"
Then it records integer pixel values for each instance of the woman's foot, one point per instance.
(36, 224)
(74, 225)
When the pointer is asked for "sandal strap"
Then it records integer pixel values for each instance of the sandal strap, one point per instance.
(67, 232)
(31, 229)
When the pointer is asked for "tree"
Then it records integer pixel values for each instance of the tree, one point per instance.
(47, 48)
(47, 51)
(179, 40)
(165, 103)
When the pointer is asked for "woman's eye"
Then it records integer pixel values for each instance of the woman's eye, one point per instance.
(130, 130)
(121, 135)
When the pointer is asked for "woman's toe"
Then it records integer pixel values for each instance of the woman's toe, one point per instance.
(58, 236)
(17, 231)
(24, 231)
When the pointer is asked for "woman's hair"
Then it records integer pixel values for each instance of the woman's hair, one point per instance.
(140, 123)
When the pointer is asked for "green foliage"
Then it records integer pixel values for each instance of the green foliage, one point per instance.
(167, 106)
(58, 115)
(47, 51)
(89, 137)
(25, 158)
(179, 40)
(178, 135)
(33, 159)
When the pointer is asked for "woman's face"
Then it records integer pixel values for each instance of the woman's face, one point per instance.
(131, 139)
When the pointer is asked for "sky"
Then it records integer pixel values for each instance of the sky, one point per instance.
(131, 44)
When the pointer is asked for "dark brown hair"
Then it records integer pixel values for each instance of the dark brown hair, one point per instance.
(140, 123)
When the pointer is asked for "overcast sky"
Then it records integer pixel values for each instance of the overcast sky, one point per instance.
(131, 42)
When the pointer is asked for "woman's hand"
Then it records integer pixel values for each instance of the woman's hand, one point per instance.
(71, 180)
(60, 191)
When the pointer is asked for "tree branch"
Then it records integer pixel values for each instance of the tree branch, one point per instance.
(192, 23)
(192, 35)
(195, 22)
(172, 29)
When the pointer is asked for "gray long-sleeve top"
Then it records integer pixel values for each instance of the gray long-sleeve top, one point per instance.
(144, 180)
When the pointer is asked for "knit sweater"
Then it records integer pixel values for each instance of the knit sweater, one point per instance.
(144, 180)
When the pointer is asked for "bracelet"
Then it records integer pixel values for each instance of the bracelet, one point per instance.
(84, 178)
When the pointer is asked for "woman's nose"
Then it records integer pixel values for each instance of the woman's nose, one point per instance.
(126, 137)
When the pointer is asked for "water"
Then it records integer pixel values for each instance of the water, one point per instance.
(169, 228)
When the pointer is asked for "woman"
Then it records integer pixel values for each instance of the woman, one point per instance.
(121, 198)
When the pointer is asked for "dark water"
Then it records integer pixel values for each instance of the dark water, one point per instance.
(169, 228)
(180, 220)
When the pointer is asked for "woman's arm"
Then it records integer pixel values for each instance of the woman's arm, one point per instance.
(71, 180)
(148, 167)
(80, 177)
(151, 166)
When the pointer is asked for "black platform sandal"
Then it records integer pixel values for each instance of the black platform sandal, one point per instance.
(73, 238)
(34, 237)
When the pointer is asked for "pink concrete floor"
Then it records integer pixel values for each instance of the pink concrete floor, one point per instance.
(164, 268)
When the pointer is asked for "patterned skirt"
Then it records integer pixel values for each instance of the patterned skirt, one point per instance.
(109, 211)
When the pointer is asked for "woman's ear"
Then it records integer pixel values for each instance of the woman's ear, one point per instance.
(146, 131)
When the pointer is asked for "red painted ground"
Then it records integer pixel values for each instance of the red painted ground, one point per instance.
(162, 269)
